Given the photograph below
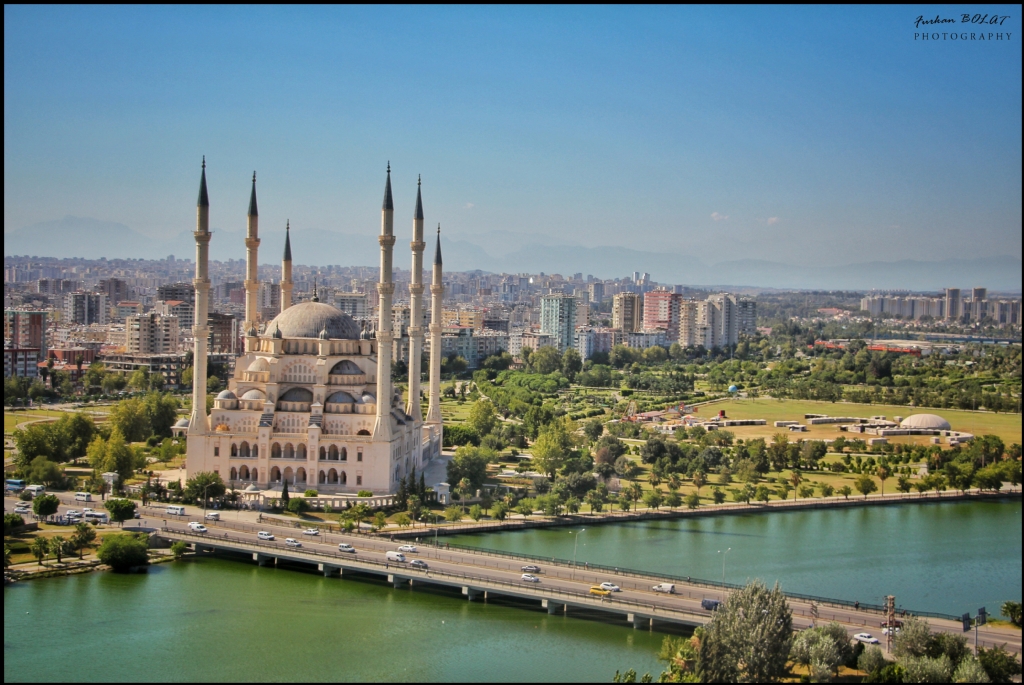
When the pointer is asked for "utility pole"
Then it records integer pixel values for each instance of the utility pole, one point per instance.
(890, 621)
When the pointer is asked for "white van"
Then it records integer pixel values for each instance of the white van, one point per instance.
(175, 510)
(97, 516)
(83, 497)
(35, 489)
(395, 556)
(665, 587)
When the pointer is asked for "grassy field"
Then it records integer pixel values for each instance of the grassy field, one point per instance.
(12, 419)
(1006, 426)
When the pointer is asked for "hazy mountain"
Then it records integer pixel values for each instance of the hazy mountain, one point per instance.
(514, 253)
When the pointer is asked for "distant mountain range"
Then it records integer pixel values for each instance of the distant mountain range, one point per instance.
(94, 239)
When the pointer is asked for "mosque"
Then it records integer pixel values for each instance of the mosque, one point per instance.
(311, 402)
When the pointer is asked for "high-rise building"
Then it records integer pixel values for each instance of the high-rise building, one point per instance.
(558, 319)
(353, 304)
(85, 308)
(114, 288)
(184, 310)
(25, 329)
(661, 312)
(151, 333)
(627, 312)
(953, 309)
(224, 333)
(183, 292)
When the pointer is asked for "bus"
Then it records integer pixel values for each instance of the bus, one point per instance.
(15, 485)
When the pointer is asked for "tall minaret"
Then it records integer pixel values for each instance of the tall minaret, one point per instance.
(416, 311)
(436, 295)
(385, 334)
(252, 264)
(286, 268)
(197, 424)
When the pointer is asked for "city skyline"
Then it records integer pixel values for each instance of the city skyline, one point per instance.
(687, 140)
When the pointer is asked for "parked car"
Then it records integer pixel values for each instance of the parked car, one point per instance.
(530, 568)
(22, 510)
(665, 587)
(345, 547)
(600, 591)
(529, 578)
(407, 548)
(710, 604)
(311, 531)
(866, 638)
(292, 542)
(264, 535)
(611, 587)
(197, 527)
(418, 563)
(72, 512)
(212, 516)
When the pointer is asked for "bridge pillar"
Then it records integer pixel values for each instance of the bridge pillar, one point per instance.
(396, 581)
(640, 622)
(553, 607)
(328, 571)
(263, 559)
(472, 593)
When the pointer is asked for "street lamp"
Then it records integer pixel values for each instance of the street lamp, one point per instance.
(574, 545)
(723, 561)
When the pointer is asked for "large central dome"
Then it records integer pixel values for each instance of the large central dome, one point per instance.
(308, 319)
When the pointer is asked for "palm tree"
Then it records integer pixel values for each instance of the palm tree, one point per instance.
(40, 548)
(699, 480)
(795, 478)
(636, 491)
(883, 472)
(654, 479)
(58, 545)
(464, 486)
(674, 481)
(83, 537)
(359, 513)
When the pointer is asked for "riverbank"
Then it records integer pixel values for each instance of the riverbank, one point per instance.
(22, 572)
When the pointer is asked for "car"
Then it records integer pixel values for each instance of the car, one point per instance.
(197, 527)
(345, 547)
(138, 515)
(212, 516)
(418, 563)
(292, 542)
(611, 587)
(264, 535)
(311, 531)
(88, 510)
(72, 512)
(530, 568)
(710, 604)
(529, 578)
(665, 587)
(407, 548)
(22, 510)
(866, 638)
(600, 591)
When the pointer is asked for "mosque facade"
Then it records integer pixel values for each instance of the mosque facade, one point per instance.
(311, 402)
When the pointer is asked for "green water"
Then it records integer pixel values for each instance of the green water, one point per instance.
(947, 557)
(221, 620)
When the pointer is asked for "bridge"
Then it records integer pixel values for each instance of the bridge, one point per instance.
(563, 588)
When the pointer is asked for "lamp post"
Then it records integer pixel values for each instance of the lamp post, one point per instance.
(723, 562)
(574, 546)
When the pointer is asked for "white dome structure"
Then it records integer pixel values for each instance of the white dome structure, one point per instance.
(926, 422)
(310, 319)
(259, 365)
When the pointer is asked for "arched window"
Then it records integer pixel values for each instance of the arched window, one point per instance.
(275, 475)
(344, 454)
(323, 477)
(234, 450)
(344, 478)
(244, 451)
(255, 451)
(300, 476)
(332, 477)
(234, 473)
(332, 453)
(275, 451)
(300, 452)
(288, 475)
(363, 432)
(289, 451)
(255, 474)
(244, 473)
(323, 453)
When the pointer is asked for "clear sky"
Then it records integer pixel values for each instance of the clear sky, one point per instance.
(824, 135)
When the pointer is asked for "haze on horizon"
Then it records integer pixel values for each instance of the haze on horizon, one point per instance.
(820, 136)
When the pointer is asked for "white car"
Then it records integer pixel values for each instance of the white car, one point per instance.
(22, 510)
(529, 578)
(87, 510)
(197, 527)
(407, 548)
(72, 512)
(866, 638)
(611, 587)
(212, 516)
(311, 531)
(264, 535)
(345, 547)
(292, 542)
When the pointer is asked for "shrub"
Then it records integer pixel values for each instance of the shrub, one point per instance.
(298, 505)
(364, 493)
(178, 549)
(12, 521)
(453, 514)
(123, 552)
(312, 493)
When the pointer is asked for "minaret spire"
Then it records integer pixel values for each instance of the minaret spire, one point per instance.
(436, 297)
(416, 311)
(286, 268)
(252, 277)
(201, 330)
(385, 335)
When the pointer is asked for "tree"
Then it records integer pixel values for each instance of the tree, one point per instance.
(380, 520)
(129, 418)
(593, 429)
(572, 364)
(178, 548)
(692, 500)
(203, 485)
(1012, 610)
(358, 513)
(476, 512)
(500, 511)
(453, 514)
(546, 360)
(120, 509)
(40, 548)
(826, 490)
(83, 537)
(718, 496)
(1000, 665)
(913, 639)
(823, 650)
(871, 660)
(297, 505)
(903, 484)
(45, 505)
(553, 446)
(748, 639)
(805, 491)
(402, 520)
(123, 552)
(285, 496)
(161, 411)
(883, 474)
(970, 670)
(469, 463)
(482, 417)
(865, 485)
(58, 546)
(44, 471)
(699, 480)
(845, 491)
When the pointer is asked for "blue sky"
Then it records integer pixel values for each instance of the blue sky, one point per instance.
(821, 135)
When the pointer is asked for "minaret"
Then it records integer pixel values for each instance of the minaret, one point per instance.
(286, 268)
(385, 334)
(416, 311)
(252, 265)
(436, 295)
(197, 424)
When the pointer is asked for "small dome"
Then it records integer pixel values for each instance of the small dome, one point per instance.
(254, 394)
(260, 365)
(181, 423)
(297, 395)
(926, 421)
(367, 398)
(308, 319)
(341, 397)
(226, 395)
(346, 368)
(252, 488)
